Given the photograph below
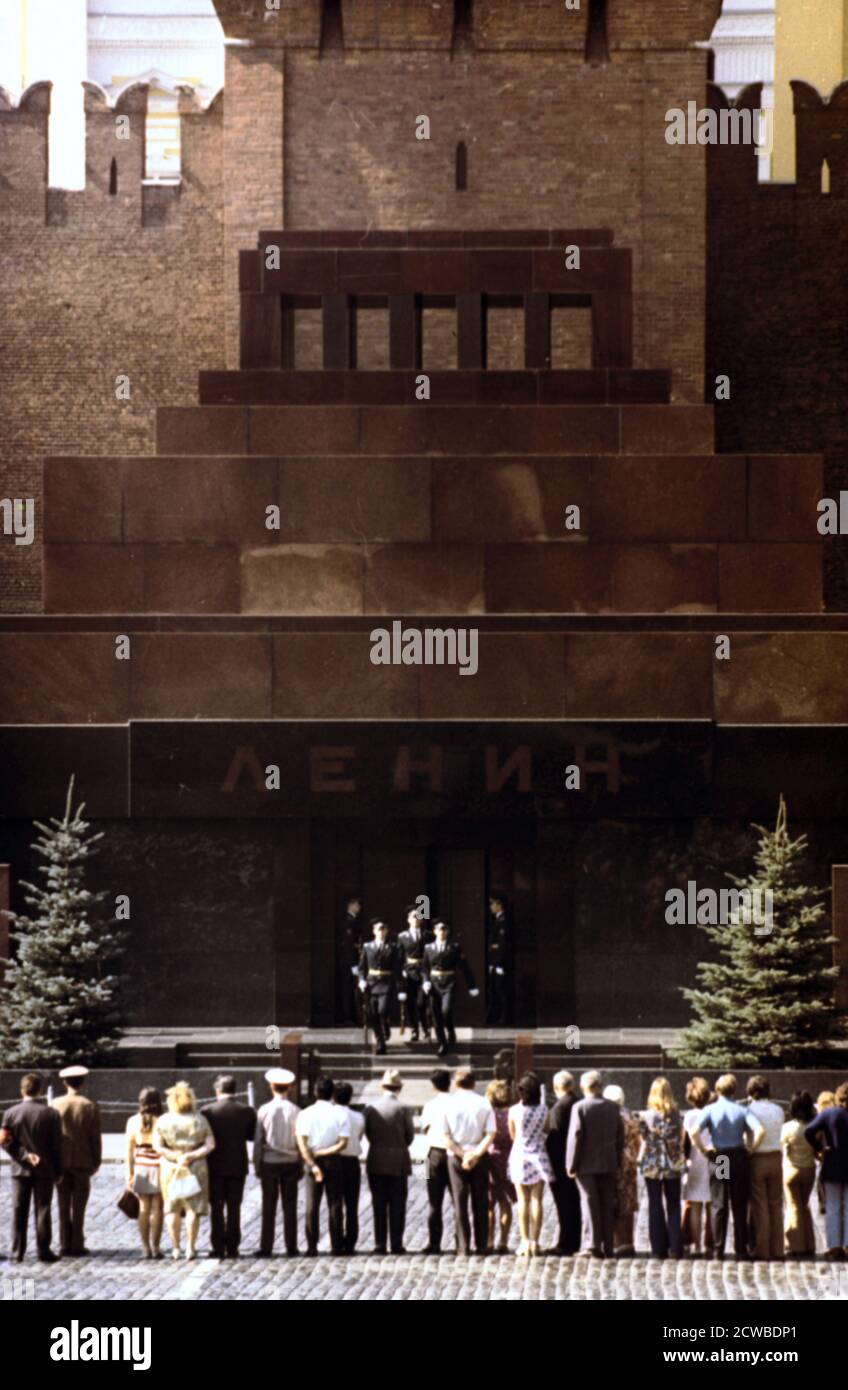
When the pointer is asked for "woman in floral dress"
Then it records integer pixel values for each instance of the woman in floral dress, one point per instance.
(626, 1186)
(183, 1138)
(662, 1164)
(529, 1165)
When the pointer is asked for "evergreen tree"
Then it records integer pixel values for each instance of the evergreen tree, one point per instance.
(58, 1003)
(769, 998)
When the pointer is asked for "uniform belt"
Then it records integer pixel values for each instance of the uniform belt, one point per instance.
(410, 960)
(380, 972)
(442, 972)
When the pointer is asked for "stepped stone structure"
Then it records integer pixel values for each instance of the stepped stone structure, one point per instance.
(417, 410)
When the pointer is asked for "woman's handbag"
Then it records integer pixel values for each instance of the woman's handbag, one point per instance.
(129, 1204)
(184, 1186)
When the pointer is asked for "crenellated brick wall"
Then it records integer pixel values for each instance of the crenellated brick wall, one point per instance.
(94, 285)
(777, 302)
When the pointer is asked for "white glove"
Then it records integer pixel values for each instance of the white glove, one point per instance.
(402, 998)
(353, 970)
(499, 970)
(362, 984)
(474, 993)
(426, 986)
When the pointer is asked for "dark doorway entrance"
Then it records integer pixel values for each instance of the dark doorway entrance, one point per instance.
(455, 867)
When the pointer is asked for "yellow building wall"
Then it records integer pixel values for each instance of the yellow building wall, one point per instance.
(811, 43)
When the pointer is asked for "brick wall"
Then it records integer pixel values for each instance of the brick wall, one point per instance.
(551, 142)
(530, 24)
(778, 305)
(93, 285)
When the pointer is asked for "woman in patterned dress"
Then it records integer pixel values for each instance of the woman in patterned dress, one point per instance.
(182, 1139)
(529, 1165)
(143, 1171)
(501, 1190)
(626, 1187)
(662, 1164)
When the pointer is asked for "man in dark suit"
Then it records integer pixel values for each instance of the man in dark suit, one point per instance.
(379, 975)
(411, 948)
(82, 1150)
(35, 1147)
(390, 1131)
(232, 1124)
(348, 948)
(499, 965)
(593, 1155)
(564, 1189)
(442, 959)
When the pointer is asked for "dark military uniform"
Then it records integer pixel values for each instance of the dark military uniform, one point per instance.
(379, 967)
(348, 950)
(499, 972)
(411, 946)
(441, 964)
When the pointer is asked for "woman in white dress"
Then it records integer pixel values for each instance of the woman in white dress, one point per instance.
(696, 1183)
(529, 1165)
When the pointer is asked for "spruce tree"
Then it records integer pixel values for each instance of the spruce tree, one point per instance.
(769, 998)
(58, 1003)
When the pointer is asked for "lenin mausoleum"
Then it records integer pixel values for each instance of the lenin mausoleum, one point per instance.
(435, 329)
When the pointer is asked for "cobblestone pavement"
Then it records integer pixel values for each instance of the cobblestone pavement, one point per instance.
(116, 1271)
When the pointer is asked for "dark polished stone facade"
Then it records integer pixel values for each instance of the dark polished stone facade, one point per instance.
(237, 892)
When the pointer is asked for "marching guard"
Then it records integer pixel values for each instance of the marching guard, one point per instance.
(411, 945)
(379, 979)
(442, 959)
(499, 964)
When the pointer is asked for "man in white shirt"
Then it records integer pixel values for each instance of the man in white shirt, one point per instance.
(277, 1161)
(433, 1125)
(322, 1132)
(350, 1166)
(766, 1173)
(469, 1132)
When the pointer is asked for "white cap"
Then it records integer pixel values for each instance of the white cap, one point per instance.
(278, 1076)
(69, 1072)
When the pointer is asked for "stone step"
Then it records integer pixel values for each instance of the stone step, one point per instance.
(783, 676)
(433, 429)
(443, 270)
(438, 238)
(600, 386)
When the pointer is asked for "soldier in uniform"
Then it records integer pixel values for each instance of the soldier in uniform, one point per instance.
(442, 959)
(411, 945)
(379, 974)
(499, 964)
(348, 950)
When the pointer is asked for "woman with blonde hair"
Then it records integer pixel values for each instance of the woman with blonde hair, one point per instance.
(824, 1100)
(662, 1163)
(501, 1191)
(183, 1138)
(143, 1170)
